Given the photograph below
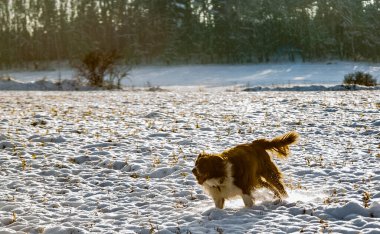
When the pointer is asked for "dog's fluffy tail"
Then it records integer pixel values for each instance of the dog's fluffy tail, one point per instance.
(278, 145)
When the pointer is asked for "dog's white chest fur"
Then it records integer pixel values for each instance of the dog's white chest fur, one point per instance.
(222, 187)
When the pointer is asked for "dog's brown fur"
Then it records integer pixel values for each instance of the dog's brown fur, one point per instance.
(240, 170)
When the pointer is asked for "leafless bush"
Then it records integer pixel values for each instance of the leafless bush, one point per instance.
(99, 69)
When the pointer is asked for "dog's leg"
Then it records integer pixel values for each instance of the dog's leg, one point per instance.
(219, 202)
(275, 181)
(267, 185)
(273, 177)
(248, 200)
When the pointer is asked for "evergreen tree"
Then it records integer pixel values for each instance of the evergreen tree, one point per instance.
(180, 31)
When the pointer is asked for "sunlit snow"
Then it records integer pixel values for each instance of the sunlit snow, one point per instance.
(120, 161)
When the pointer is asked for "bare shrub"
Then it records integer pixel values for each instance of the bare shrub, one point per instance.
(99, 69)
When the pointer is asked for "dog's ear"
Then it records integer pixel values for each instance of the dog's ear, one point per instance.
(202, 154)
(197, 159)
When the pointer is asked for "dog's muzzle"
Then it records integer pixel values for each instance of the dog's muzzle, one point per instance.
(198, 176)
(194, 171)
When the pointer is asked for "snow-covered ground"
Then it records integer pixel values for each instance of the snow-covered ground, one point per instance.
(216, 75)
(108, 162)
(120, 161)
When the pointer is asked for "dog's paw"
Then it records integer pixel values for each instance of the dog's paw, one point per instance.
(278, 201)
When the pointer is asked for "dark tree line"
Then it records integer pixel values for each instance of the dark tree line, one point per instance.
(189, 31)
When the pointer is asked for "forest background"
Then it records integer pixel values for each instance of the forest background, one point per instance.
(36, 32)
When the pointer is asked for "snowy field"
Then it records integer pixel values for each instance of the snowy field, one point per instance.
(216, 75)
(121, 161)
(108, 162)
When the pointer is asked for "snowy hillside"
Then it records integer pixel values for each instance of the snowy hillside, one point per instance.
(108, 162)
(331, 73)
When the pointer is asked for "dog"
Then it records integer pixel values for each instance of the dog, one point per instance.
(242, 169)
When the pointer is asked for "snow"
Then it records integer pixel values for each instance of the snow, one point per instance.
(41, 84)
(353, 209)
(249, 75)
(121, 161)
(330, 73)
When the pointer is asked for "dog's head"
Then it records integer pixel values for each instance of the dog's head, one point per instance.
(208, 166)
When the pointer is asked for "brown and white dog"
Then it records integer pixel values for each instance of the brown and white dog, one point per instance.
(243, 168)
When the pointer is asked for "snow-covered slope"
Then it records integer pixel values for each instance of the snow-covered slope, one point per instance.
(216, 75)
(250, 75)
(8, 83)
(108, 162)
